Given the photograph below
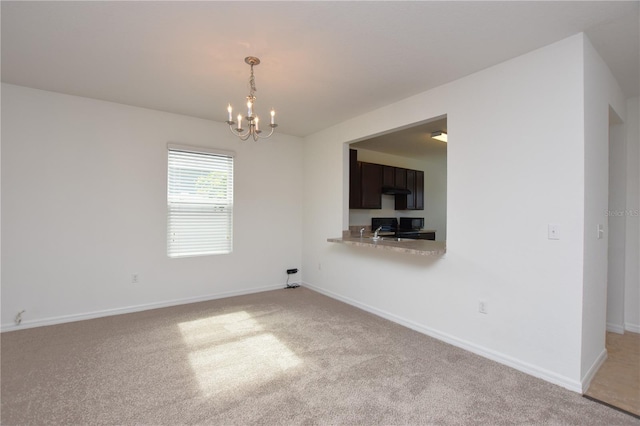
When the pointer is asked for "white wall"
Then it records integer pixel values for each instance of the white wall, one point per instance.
(84, 207)
(515, 164)
(435, 192)
(601, 93)
(632, 273)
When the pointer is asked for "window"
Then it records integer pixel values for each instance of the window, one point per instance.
(199, 201)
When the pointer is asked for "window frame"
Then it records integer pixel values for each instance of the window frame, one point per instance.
(196, 206)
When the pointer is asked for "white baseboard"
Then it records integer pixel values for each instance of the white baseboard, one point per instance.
(615, 328)
(586, 380)
(634, 328)
(129, 309)
(541, 373)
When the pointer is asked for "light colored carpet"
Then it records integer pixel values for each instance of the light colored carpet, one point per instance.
(280, 357)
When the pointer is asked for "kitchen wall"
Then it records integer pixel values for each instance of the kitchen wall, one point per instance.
(507, 180)
(435, 192)
(84, 207)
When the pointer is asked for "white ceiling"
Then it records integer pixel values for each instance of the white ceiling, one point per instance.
(413, 142)
(322, 62)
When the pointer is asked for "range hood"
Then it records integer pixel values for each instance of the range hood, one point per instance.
(392, 190)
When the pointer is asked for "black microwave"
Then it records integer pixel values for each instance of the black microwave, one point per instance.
(411, 222)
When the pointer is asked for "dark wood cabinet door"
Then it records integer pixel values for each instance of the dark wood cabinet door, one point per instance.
(415, 184)
(371, 180)
(411, 186)
(401, 177)
(388, 176)
(355, 196)
(401, 202)
(419, 192)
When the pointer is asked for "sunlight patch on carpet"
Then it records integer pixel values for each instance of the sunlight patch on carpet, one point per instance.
(230, 353)
(218, 328)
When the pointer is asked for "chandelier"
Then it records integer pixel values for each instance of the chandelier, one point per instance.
(253, 129)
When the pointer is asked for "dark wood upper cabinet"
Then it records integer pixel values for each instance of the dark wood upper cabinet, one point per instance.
(411, 186)
(355, 196)
(371, 185)
(401, 177)
(415, 184)
(419, 192)
(366, 181)
(388, 176)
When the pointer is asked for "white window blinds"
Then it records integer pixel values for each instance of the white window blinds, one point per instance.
(199, 201)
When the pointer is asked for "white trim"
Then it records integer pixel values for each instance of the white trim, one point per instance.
(199, 149)
(586, 380)
(634, 328)
(615, 328)
(129, 309)
(525, 367)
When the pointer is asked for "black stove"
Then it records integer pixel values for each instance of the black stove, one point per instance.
(388, 224)
(407, 228)
(407, 233)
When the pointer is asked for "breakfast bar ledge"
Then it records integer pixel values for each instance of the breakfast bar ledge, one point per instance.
(400, 245)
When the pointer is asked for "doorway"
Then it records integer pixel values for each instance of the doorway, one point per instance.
(617, 382)
(616, 216)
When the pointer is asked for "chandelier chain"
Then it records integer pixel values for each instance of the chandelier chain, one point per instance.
(252, 84)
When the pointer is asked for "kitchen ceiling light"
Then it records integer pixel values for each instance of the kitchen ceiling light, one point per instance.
(252, 120)
(439, 135)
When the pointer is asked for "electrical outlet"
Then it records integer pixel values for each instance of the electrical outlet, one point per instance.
(135, 279)
(482, 307)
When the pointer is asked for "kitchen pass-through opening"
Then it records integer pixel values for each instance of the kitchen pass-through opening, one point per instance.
(399, 179)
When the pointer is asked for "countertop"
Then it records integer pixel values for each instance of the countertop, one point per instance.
(401, 245)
